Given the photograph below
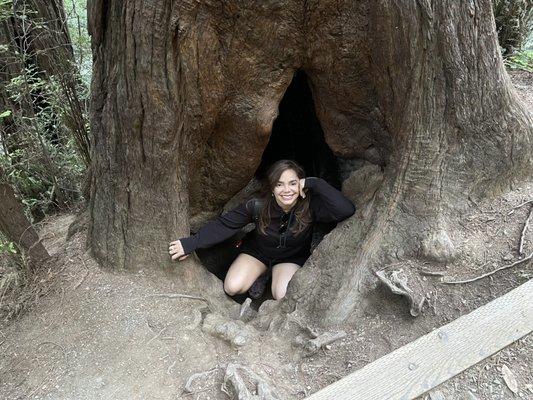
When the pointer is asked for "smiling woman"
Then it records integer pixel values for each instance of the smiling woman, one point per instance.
(281, 241)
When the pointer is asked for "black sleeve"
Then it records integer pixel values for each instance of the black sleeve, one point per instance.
(219, 229)
(327, 203)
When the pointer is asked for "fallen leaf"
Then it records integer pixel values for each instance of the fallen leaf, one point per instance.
(509, 379)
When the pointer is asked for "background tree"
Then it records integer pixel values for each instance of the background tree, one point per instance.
(16, 226)
(185, 96)
(43, 116)
(514, 23)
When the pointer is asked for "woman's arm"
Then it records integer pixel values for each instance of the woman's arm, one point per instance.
(219, 229)
(328, 204)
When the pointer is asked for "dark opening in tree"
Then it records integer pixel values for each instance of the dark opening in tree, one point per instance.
(298, 135)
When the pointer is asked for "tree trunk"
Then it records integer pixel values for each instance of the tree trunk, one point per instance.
(16, 227)
(185, 95)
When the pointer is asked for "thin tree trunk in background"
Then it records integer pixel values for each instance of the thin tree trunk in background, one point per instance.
(17, 228)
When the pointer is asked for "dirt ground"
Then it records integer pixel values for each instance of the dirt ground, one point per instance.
(99, 334)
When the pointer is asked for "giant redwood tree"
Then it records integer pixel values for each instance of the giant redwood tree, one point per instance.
(186, 94)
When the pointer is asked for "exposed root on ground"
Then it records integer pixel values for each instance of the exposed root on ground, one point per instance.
(397, 282)
(234, 332)
(235, 384)
(491, 272)
(312, 346)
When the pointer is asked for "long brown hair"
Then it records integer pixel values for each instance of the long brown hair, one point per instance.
(301, 210)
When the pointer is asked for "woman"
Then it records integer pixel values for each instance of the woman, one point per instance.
(281, 240)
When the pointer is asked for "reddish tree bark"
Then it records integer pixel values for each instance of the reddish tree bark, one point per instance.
(185, 95)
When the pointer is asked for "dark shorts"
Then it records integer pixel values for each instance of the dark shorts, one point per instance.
(246, 248)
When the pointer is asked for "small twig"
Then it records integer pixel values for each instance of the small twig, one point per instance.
(492, 272)
(524, 230)
(84, 276)
(176, 296)
(171, 367)
(313, 345)
(432, 273)
(520, 205)
(52, 343)
(156, 336)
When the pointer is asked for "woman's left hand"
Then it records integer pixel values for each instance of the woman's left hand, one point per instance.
(302, 185)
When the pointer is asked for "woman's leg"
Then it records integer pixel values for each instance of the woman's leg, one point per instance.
(242, 274)
(281, 276)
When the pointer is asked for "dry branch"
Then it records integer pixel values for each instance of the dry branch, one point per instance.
(176, 296)
(313, 345)
(492, 272)
(432, 273)
(519, 206)
(524, 230)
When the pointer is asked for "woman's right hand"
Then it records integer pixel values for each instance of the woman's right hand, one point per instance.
(176, 251)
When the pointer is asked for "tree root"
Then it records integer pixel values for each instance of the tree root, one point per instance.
(524, 230)
(196, 320)
(519, 206)
(176, 296)
(233, 379)
(439, 247)
(311, 346)
(397, 283)
(269, 317)
(491, 272)
(235, 332)
(188, 386)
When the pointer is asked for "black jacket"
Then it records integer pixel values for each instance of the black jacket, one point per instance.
(327, 205)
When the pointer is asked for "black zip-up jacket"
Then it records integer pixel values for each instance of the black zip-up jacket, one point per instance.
(327, 205)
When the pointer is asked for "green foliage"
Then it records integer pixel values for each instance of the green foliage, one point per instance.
(7, 247)
(76, 12)
(522, 60)
(38, 152)
(514, 24)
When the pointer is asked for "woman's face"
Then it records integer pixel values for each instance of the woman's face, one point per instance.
(287, 189)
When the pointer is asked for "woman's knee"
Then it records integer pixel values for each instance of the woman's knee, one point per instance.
(278, 291)
(281, 276)
(233, 287)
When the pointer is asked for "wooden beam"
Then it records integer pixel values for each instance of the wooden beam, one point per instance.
(421, 365)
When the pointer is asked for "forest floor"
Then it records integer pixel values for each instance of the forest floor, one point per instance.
(98, 334)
